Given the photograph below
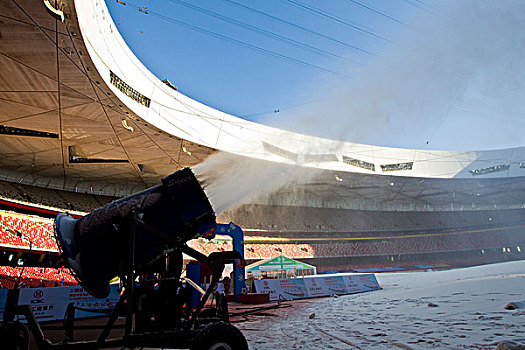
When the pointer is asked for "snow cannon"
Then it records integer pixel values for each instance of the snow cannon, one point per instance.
(131, 233)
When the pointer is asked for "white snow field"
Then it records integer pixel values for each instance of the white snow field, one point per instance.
(452, 309)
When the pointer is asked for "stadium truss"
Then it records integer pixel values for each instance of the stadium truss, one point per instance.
(80, 112)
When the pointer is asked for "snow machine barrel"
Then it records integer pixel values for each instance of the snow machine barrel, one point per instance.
(97, 245)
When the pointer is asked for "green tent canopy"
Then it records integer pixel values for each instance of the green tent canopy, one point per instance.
(279, 267)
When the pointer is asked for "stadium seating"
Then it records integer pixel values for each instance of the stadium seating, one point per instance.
(35, 277)
(25, 231)
(504, 238)
(63, 200)
(21, 231)
(286, 220)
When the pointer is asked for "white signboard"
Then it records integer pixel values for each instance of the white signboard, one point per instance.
(360, 283)
(290, 288)
(50, 303)
(317, 286)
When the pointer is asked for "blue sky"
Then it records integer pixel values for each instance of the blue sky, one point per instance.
(242, 80)
(403, 73)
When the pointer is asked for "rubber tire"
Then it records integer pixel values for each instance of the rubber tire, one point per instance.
(208, 313)
(213, 335)
(14, 336)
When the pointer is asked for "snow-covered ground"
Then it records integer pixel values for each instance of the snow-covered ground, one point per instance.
(453, 309)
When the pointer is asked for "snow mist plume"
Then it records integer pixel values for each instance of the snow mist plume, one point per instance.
(454, 79)
(230, 180)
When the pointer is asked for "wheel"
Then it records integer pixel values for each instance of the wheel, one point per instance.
(220, 336)
(208, 313)
(15, 336)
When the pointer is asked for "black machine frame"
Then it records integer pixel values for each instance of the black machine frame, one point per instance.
(185, 334)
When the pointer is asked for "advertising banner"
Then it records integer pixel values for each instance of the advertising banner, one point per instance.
(325, 285)
(360, 283)
(50, 303)
(335, 285)
(291, 288)
(317, 286)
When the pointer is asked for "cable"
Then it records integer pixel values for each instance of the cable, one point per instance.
(244, 44)
(259, 309)
(347, 342)
(253, 28)
(276, 110)
(376, 11)
(300, 27)
(418, 6)
(336, 19)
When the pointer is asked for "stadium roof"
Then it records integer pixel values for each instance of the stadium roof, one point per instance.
(61, 125)
(79, 111)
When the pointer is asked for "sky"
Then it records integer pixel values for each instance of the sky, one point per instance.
(405, 73)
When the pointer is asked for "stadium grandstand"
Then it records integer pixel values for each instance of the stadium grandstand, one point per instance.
(20, 235)
(84, 123)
